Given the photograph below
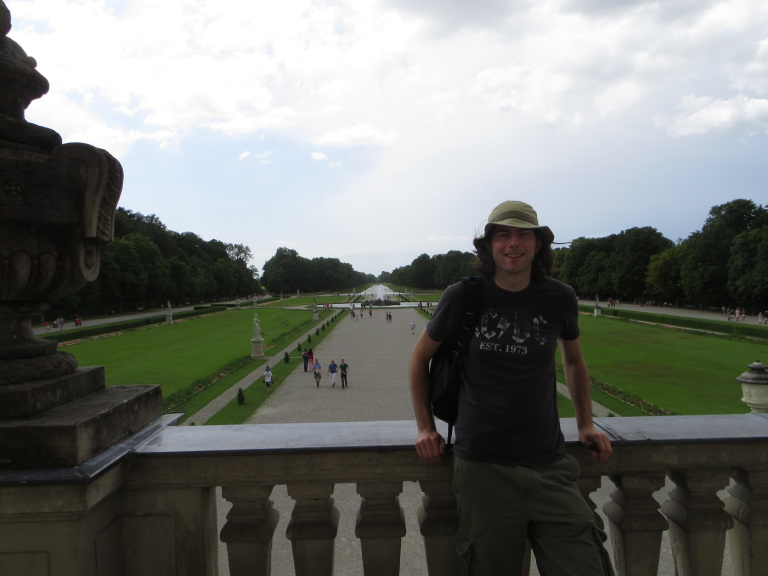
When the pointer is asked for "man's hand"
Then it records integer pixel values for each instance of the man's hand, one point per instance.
(597, 442)
(430, 446)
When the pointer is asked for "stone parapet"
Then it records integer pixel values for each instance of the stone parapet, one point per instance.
(161, 492)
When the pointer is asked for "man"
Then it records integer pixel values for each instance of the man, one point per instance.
(317, 370)
(332, 369)
(512, 478)
(344, 368)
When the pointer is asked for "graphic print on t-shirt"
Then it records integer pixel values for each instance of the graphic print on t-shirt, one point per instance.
(511, 332)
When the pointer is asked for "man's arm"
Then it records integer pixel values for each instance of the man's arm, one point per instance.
(577, 378)
(430, 445)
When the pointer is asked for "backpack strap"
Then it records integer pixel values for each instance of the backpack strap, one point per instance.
(472, 307)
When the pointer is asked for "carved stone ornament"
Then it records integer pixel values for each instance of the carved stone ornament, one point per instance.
(57, 206)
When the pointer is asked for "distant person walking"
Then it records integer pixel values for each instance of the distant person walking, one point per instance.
(311, 358)
(268, 378)
(317, 370)
(305, 359)
(413, 327)
(344, 368)
(332, 370)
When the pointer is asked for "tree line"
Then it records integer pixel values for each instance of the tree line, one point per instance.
(287, 273)
(147, 265)
(723, 264)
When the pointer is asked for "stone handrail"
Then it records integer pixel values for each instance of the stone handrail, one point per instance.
(169, 508)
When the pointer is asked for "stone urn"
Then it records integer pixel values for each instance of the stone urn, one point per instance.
(754, 386)
(57, 208)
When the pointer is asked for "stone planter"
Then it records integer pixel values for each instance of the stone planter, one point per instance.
(754, 385)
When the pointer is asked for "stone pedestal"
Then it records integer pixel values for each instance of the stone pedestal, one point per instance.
(257, 347)
(64, 421)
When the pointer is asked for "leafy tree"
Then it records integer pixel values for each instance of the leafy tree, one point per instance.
(706, 253)
(632, 252)
(663, 278)
(286, 272)
(423, 272)
(452, 267)
(748, 270)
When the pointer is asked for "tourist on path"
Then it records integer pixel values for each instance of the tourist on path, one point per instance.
(413, 327)
(268, 378)
(311, 358)
(511, 475)
(305, 359)
(332, 369)
(344, 368)
(317, 370)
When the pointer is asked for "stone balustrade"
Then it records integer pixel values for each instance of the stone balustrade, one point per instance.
(151, 503)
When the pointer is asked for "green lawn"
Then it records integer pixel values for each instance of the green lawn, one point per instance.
(687, 373)
(684, 372)
(175, 356)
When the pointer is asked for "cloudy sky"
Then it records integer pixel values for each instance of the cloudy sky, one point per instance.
(376, 130)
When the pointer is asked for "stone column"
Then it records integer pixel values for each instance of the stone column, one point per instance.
(438, 522)
(249, 529)
(698, 523)
(747, 503)
(313, 527)
(380, 527)
(636, 524)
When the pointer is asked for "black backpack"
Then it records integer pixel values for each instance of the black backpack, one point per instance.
(446, 369)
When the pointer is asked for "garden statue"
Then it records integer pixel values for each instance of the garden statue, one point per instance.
(256, 328)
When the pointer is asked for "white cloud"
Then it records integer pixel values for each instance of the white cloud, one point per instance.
(358, 135)
(701, 115)
(443, 106)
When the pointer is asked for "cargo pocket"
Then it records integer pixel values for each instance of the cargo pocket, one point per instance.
(464, 552)
(605, 558)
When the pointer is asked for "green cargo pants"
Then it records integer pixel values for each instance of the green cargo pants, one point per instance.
(502, 506)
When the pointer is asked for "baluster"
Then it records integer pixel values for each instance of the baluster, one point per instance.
(438, 523)
(312, 528)
(380, 527)
(249, 529)
(636, 524)
(747, 503)
(587, 485)
(698, 522)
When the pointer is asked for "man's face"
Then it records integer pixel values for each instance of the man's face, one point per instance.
(513, 250)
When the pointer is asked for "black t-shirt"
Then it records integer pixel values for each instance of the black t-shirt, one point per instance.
(508, 408)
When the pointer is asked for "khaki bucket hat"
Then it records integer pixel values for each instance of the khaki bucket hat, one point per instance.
(519, 215)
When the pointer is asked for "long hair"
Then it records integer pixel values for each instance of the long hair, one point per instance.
(486, 267)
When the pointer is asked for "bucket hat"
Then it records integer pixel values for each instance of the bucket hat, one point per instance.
(519, 215)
